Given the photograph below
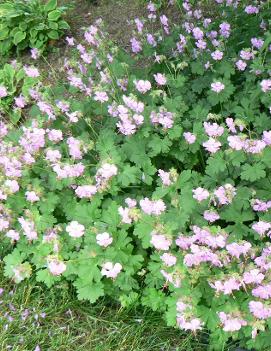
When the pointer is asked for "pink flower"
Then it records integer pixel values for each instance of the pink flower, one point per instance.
(163, 117)
(20, 101)
(152, 207)
(211, 216)
(85, 191)
(31, 196)
(262, 291)
(105, 172)
(230, 323)
(124, 213)
(164, 20)
(236, 250)
(241, 65)
(55, 135)
(56, 267)
(251, 10)
(139, 25)
(266, 85)
(225, 29)
(213, 129)
(13, 235)
(3, 91)
(131, 203)
(111, 271)
(165, 177)
(225, 194)
(142, 86)
(35, 53)
(235, 142)
(74, 146)
(31, 71)
(201, 44)
(259, 310)
(160, 242)
(53, 155)
(217, 55)
(253, 276)
(212, 145)
(168, 259)
(267, 137)
(262, 228)
(75, 229)
(246, 55)
(136, 45)
(70, 41)
(231, 125)
(257, 42)
(189, 137)
(200, 194)
(4, 224)
(160, 79)
(104, 239)
(261, 206)
(101, 96)
(217, 87)
(197, 33)
(151, 40)
(193, 324)
(12, 186)
(28, 228)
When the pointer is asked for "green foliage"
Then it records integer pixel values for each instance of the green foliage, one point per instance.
(30, 24)
(17, 84)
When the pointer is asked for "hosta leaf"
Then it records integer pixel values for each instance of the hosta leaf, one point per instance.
(18, 37)
(50, 5)
(54, 15)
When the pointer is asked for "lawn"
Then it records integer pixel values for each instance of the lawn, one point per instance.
(33, 317)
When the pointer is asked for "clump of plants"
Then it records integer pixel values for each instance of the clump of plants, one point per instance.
(30, 24)
(16, 82)
(152, 185)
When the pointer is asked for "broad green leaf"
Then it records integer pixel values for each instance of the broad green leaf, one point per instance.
(18, 37)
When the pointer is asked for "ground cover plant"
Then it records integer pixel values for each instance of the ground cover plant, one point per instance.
(149, 180)
(30, 23)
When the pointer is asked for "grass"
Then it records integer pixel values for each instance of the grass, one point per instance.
(32, 315)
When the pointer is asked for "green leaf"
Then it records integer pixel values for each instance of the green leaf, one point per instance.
(208, 316)
(216, 165)
(159, 145)
(4, 33)
(53, 25)
(18, 37)
(50, 6)
(90, 291)
(128, 176)
(63, 25)
(253, 173)
(111, 215)
(12, 260)
(54, 15)
(154, 299)
(53, 34)
(44, 276)
(143, 231)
